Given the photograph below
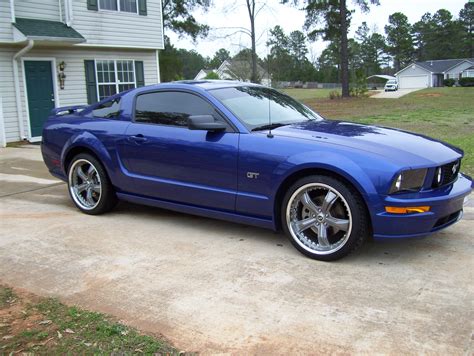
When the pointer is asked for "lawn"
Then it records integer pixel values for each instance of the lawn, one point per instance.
(33, 325)
(443, 113)
(308, 94)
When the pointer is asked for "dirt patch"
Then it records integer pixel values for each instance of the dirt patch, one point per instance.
(29, 323)
(430, 95)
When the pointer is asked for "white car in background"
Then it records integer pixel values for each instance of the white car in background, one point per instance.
(391, 84)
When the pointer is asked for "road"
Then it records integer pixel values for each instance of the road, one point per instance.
(218, 287)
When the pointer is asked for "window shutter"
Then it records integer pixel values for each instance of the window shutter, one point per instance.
(142, 7)
(92, 5)
(91, 82)
(139, 74)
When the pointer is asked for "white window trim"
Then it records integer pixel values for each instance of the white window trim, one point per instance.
(117, 82)
(118, 8)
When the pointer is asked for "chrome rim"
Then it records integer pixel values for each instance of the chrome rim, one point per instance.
(319, 218)
(84, 184)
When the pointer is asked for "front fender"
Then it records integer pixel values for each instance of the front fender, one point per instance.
(334, 162)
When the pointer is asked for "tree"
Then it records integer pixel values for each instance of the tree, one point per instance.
(399, 40)
(287, 59)
(466, 19)
(192, 62)
(330, 19)
(279, 61)
(177, 17)
(372, 49)
(171, 67)
(219, 57)
(438, 36)
(252, 14)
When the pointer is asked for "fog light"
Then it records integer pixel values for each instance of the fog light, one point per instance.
(406, 209)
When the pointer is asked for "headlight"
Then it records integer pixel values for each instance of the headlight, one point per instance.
(410, 180)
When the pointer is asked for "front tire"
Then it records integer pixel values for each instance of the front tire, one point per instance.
(89, 186)
(324, 218)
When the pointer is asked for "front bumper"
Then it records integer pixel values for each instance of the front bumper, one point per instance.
(446, 209)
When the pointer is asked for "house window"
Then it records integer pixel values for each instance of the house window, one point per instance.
(119, 5)
(114, 76)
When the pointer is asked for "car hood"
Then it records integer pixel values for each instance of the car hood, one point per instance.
(408, 149)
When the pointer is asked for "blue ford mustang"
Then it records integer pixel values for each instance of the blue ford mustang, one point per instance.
(249, 154)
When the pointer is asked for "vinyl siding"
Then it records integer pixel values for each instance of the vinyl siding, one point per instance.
(456, 71)
(413, 71)
(100, 28)
(74, 92)
(38, 9)
(119, 29)
(7, 92)
(6, 31)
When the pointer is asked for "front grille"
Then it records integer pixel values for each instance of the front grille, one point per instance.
(446, 174)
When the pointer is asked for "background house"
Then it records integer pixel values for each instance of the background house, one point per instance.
(240, 70)
(71, 52)
(432, 73)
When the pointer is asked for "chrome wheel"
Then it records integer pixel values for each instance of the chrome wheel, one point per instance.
(84, 184)
(319, 218)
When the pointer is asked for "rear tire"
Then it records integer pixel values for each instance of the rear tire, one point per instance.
(324, 218)
(89, 186)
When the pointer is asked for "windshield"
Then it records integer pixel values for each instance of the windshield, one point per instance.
(254, 106)
(392, 82)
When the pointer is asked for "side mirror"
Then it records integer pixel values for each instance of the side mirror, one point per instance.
(205, 122)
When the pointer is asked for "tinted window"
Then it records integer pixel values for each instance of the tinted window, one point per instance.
(108, 110)
(254, 106)
(171, 108)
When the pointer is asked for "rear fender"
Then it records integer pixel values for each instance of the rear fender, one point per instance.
(90, 142)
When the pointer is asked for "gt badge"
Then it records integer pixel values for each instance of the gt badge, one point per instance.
(252, 175)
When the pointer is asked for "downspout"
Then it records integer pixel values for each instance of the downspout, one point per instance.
(16, 81)
(3, 138)
(12, 10)
(68, 12)
(60, 3)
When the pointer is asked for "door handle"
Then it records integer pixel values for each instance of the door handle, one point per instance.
(137, 138)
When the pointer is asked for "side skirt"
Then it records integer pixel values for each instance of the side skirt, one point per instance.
(209, 213)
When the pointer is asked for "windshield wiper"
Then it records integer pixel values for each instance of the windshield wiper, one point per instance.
(269, 126)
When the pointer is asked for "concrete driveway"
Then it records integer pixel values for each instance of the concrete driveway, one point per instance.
(393, 94)
(218, 287)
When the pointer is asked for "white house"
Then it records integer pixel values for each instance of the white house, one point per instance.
(236, 70)
(432, 73)
(71, 52)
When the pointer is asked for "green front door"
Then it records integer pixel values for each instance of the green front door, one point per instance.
(39, 88)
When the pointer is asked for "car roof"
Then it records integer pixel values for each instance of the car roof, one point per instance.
(202, 84)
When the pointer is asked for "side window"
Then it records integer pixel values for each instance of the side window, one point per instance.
(108, 110)
(171, 108)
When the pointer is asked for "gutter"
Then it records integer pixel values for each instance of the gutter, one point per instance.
(16, 81)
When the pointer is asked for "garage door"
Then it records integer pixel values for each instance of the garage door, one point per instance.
(417, 81)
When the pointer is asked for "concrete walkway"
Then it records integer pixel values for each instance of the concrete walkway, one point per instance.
(393, 94)
(218, 287)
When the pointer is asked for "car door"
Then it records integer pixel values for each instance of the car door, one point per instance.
(166, 160)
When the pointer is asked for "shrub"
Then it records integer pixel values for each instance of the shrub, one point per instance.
(466, 82)
(212, 75)
(335, 94)
(448, 82)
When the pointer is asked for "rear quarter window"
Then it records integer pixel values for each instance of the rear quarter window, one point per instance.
(108, 110)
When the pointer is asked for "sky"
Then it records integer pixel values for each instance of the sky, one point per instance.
(226, 15)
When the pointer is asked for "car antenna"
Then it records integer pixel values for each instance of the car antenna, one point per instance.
(269, 135)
